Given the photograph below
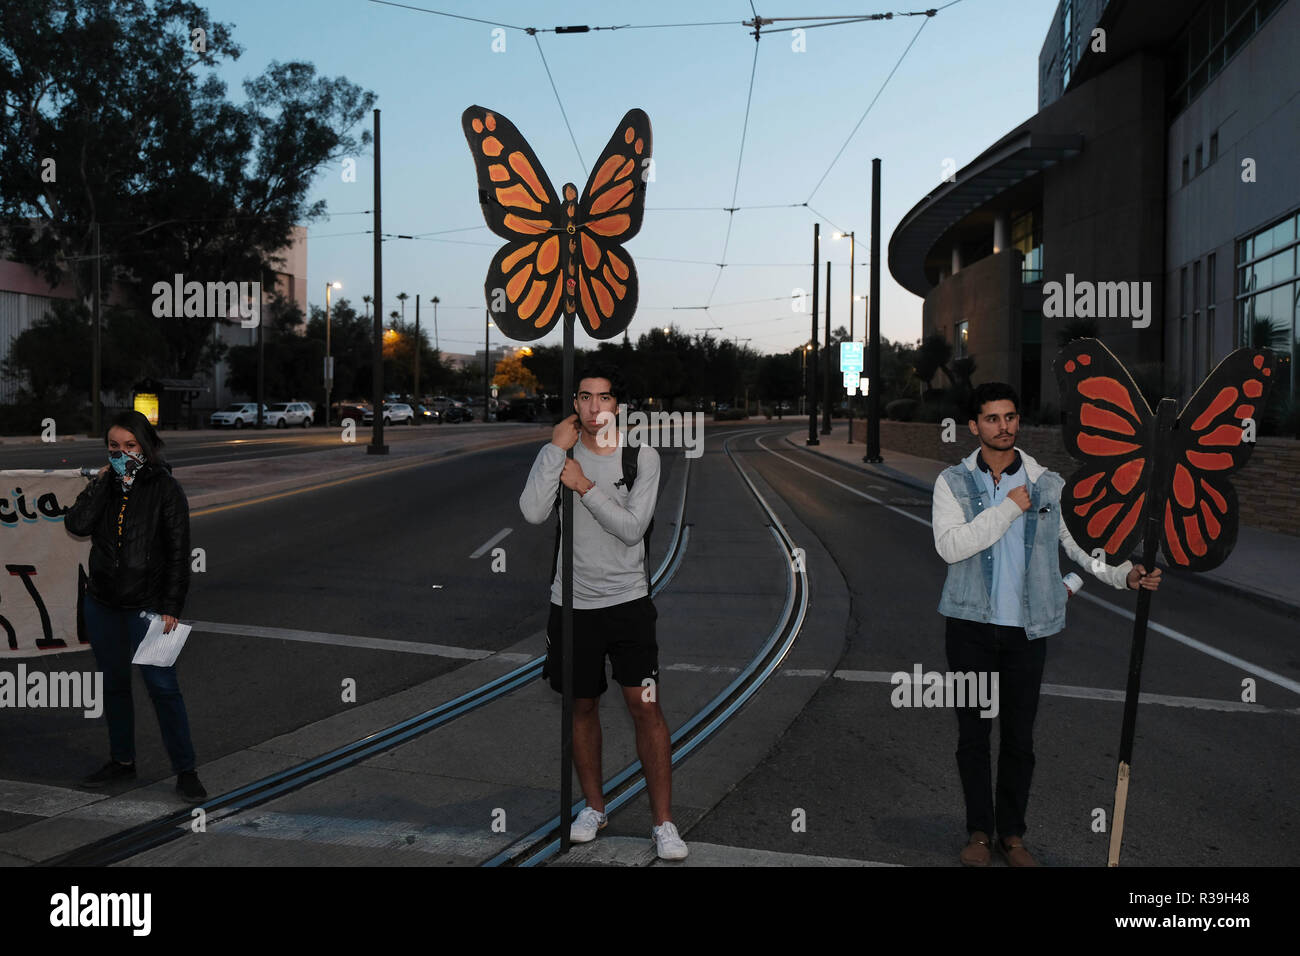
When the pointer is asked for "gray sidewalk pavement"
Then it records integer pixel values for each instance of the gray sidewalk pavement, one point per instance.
(1260, 566)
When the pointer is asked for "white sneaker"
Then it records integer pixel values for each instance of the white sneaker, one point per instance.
(585, 826)
(668, 843)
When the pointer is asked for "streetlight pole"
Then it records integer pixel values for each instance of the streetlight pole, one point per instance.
(487, 380)
(436, 300)
(826, 402)
(873, 326)
(811, 377)
(852, 272)
(416, 394)
(329, 359)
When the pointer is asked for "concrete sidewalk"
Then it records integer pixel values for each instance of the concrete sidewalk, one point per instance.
(1258, 568)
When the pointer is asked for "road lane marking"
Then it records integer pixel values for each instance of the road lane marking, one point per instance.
(1191, 642)
(350, 640)
(445, 455)
(1052, 690)
(1194, 644)
(490, 542)
(1089, 693)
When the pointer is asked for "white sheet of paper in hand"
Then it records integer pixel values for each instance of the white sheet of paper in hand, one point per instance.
(157, 648)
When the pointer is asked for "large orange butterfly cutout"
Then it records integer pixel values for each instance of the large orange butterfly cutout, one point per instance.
(1110, 428)
(565, 254)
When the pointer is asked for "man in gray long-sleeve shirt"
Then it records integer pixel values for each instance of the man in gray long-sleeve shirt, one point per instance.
(613, 614)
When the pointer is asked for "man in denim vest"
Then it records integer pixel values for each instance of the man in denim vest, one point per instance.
(997, 522)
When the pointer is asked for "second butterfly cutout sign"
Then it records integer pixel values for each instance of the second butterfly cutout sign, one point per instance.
(564, 255)
(1154, 479)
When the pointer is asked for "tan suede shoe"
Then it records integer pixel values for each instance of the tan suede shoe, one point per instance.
(976, 852)
(1013, 848)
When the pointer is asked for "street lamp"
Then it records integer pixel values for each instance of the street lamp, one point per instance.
(329, 359)
(436, 300)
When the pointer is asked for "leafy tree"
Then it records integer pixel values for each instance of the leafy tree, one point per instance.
(112, 115)
(512, 371)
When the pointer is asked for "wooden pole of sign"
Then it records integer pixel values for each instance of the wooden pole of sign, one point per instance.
(566, 611)
(1154, 506)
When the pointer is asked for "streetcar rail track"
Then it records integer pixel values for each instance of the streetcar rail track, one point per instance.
(162, 830)
(544, 842)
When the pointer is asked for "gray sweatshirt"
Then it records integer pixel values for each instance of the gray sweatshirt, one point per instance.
(609, 523)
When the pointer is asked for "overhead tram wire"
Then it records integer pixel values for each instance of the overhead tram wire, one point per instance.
(735, 187)
(756, 24)
(582, 161)
(858, 124)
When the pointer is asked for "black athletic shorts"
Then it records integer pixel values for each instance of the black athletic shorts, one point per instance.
(624, 632)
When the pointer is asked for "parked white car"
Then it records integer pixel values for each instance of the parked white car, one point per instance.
(394, 413)
(237, 415)
(284, 414)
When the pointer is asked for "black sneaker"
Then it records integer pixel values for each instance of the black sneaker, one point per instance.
(188, 786)
(110, 773)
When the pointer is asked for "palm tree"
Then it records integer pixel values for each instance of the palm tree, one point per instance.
(367, 300)
(402, 297)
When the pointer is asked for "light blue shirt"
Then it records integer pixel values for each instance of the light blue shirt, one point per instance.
(1007, 600)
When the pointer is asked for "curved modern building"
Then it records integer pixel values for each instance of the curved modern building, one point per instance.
(1156, 192)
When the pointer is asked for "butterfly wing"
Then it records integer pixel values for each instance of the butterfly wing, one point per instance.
(1107, 427)
(1199, 524)
(524, 282)
(608, 214)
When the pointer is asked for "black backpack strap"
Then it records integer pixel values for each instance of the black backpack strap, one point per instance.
(630, 453)
(559, 505)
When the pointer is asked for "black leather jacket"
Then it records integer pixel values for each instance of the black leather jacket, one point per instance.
(148, 566)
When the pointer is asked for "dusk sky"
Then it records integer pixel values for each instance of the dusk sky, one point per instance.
(969, 77)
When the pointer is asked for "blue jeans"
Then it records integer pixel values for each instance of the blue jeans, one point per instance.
(114, 636)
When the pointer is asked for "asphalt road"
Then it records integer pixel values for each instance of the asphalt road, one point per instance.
(386, 556)
(208, 447)
(1209, 786)
(1213, 782)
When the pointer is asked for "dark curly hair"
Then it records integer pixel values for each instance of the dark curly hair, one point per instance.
(991, 392)
(607, 371)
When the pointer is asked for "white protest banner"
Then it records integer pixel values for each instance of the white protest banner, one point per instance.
(42, 567)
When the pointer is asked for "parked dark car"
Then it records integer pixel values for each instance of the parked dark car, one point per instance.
(521, 409)
(456, 412)
(348, 410)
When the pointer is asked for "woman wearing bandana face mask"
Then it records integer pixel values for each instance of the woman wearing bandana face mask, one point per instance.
(139, 521)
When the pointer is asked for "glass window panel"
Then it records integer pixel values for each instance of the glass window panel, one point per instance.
(1209, 279)
(1243, 250)
(1283, 232)
(1216, 22)
(1263, 242)
(1235, 9)
(1238, 36)
(1198, 35)
(1214, 146)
